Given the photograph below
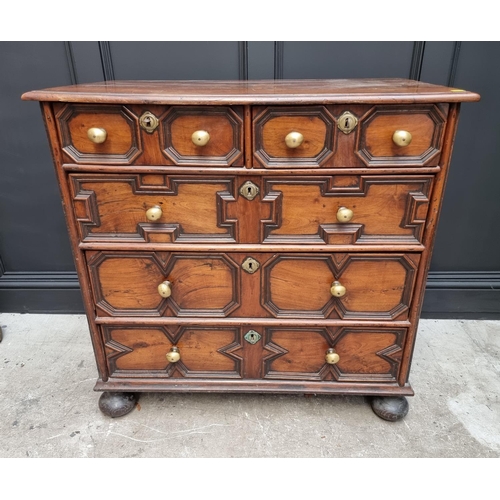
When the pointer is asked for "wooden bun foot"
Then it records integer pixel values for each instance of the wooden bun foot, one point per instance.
(390, 408)
(117, 404)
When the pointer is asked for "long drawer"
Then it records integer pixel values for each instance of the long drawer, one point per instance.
(367, 286)
(327, 353)
(335, 210)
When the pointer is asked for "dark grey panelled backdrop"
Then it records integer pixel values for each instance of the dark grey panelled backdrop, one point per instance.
(36, 266)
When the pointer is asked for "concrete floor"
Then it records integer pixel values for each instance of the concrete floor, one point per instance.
(48, 407)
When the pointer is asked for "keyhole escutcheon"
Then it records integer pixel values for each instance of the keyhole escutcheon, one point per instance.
(252, 337)
(148, 122)
(250, 265)
(347, 122)
(249, 190)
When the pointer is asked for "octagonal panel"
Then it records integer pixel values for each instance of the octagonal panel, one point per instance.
(126, 284)
(224, 126)
(376, 147)
(122, 145)
(378, 286)
(271, 127)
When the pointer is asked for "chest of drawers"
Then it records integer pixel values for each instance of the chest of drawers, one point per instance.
(253, 236)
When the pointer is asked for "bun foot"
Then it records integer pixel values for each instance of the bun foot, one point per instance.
(117, 404)
(390, 408)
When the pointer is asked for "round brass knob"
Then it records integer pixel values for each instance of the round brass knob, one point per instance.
(165, 289)
(173, 355)
(154, 213)
(200, 138)
(294, 139)
(331, 357)
(344, 214)
(337, 290)
(97, 135)
(401, 138)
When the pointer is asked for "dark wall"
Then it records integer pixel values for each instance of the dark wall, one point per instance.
(36, 266)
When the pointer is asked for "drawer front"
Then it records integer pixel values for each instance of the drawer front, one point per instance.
(334, 210)
(158, 135)
(304, 286)
(99, 134)
(347, 136)
(360, 354)
(368, 354)
(141, 351)
(293, 136)
(346, 210)
(153, 208)
(401, 136)
(208, 136)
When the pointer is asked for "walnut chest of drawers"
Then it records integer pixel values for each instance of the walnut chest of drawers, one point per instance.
(253, 236)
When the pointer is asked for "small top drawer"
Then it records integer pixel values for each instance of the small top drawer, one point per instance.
(159, 135)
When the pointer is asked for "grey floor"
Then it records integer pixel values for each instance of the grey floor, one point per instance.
(48, 407)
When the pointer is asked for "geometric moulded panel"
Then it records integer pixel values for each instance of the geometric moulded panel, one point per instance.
(126, 284)
(425, 124)
(122, 144)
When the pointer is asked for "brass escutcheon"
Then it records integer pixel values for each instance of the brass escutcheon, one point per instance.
(250, 265)
(347, 122)
(148, 122)
(249, 190)
(252, 337)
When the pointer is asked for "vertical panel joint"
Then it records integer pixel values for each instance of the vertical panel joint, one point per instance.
(278, 60)
(417, 60)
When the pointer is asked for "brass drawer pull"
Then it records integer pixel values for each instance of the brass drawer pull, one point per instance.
(332, 357)
(344, 214)
(337, 290)
(200, 138)
(97, 135)
(173, 355)
(294, 139)
(165, 289)
(154, 213)
(401, 138)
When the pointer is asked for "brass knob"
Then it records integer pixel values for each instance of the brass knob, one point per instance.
(294, 139)
(344, 214)
(200, 138)
(401, 138)
(97, 135)
(173, 355)
(332, 357)
(154, 213)
(165, 289)
(337, 290)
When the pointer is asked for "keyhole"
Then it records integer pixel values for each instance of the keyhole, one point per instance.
(147, 122)
(250, 265)
(346, 123)
(250, 190)
(252, 336)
